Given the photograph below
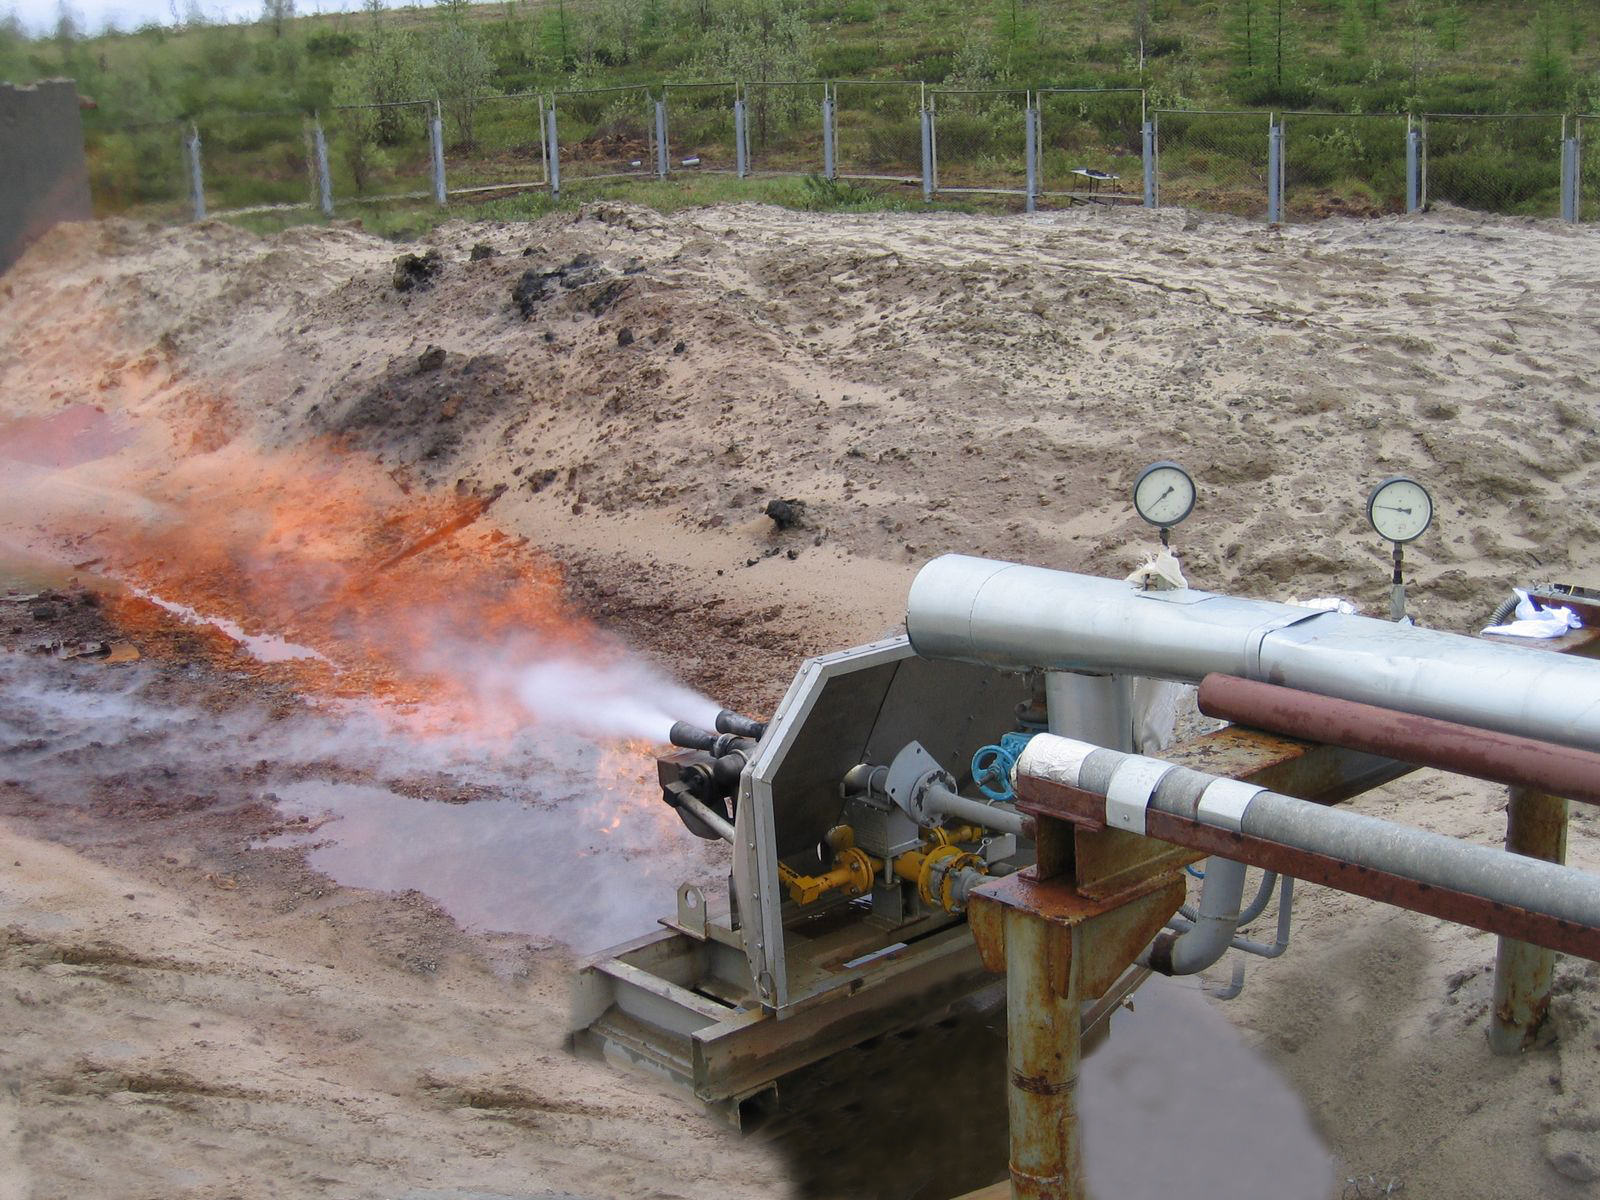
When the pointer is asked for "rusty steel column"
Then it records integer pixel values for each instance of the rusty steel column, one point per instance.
(1042, 1051)
(1536, 825)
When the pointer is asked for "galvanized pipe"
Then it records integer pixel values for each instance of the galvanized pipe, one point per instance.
(1213, 930)
(1426, 741)
(943, 800)
(1016, 617)
(714, 821)
(1362, 841)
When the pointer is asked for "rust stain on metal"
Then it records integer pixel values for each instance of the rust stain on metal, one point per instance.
(1040, 1086)
(1046, 799)
(1425, 741)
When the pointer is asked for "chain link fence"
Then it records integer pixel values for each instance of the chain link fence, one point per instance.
(878, 127)
(700, 126)
(1503, 163)
(1088, 146)
(1343, 164)
(379, 151)
(257, 161)
(606, 133)
(1587, 131)
(1091, 145)
(1213, 160)
(498, 146)
(783, 127)
(980, 141)
(139, 170)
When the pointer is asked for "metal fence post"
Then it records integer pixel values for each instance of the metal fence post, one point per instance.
(741, 150)
(324, 179)
(661, 139)
(827, 134)
(1031, 151)
(927, 156)
(1149, 164)
(1274, 173)
(436, 141)
(1422, 171)
(1413, 168)
(1569, 179)
(197, 187)
(553, 149)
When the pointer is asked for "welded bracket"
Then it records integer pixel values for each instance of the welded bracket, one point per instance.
(1096, 938)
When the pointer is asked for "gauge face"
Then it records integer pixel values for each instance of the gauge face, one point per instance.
(1163, 494)
(1400, 509)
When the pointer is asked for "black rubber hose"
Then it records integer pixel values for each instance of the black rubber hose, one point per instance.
(729, 721)
(1504, 611)
(692, 737)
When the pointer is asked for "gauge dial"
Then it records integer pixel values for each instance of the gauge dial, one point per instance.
(1400, 509)
(1163, 494)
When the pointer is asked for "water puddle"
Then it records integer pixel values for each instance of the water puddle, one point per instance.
(263, 647)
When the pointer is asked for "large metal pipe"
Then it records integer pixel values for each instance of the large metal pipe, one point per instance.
(1348, 837)
(1017, 617)
(1426, 741)
(943, 800)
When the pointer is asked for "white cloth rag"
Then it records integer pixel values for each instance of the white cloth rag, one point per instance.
(1531, 622)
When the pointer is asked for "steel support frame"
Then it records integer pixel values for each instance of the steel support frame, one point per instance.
(1536, 825)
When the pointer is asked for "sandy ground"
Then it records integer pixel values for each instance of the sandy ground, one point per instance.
(183, 1013)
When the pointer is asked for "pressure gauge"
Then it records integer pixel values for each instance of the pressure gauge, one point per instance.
(1400, 509)
(1163, 494)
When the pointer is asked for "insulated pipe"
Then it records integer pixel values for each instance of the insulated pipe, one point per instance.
(1481, 753)
(1133, 783)
(1015, 617)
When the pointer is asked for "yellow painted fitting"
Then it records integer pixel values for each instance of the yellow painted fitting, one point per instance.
(854, 871)
(920, 867)
(952, 835)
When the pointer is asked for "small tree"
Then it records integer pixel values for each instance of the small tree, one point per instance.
(1352, 31)
(457, 67)
(275, 14)
(1247, 37)
(1449, 26)
(765, 41)
(1548, 76)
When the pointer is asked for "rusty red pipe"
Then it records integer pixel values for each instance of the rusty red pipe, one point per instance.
(1426, 741)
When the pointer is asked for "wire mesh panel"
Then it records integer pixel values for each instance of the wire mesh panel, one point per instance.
(700, 126)
(783, 125)
(879, 127)
(379, 151)
(1091, 145)
(1500, 163)
(1343, 164)
(137, 169)
(256, 160)
(1588, 135)
(500, 146)
(980, 141)
(606, 133)
(1213, 160)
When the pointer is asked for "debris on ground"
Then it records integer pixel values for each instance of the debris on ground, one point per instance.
(415, 272)
(786, 514)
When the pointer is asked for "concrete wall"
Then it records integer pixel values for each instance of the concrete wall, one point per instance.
(43, 175)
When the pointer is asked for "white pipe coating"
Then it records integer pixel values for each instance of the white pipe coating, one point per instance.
(1017, 617)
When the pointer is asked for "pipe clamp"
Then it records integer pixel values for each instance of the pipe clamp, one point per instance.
(1128, 795)
(1223, 803)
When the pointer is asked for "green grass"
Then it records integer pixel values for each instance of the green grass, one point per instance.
(1412, 56)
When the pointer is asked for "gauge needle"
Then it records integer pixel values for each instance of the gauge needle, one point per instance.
(1396, 508)
(1163, 495)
